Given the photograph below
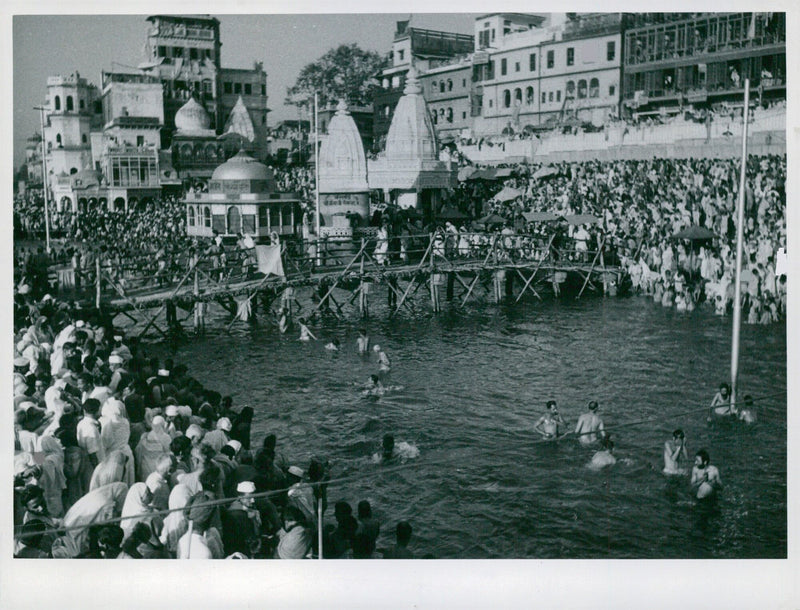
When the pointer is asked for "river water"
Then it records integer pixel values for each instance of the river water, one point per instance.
(474, 381)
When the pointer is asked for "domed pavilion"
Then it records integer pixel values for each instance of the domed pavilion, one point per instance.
(242, 198)
(409, 170)
(195, 148)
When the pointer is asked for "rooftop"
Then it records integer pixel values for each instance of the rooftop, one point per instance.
(204, 19)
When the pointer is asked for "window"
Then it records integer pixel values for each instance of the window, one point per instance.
(544, 97)
(550, 96)
(162, 51)
(611, 90)
(70, 104)
(558, 95)
(401, 55)
(491, 70)
(506, 99)
(263, 89)
(532, 62)
(98, 107)
(483, 39)
(581, 89)
(441, 86)
(449, 85)
(449, 115)
(570, 56)
(177, 51)
(58, 139)
(463, 82)
(191, 215)
(435, 117)
(193, 53)
(237, 87)
(464, 115)
(228, 87)
(594, 88)
(395, 82)
(611, 50)
(529, 96)
(206, 216)
(503, 66)
(516, 67)
(58, 103)
(551, 59)
(82, 104)
(491, 103)
(570, 88)
(248, 89)
(139, 140)
(83, 138)
(517, 97)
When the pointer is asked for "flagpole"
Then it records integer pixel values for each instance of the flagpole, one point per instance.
(44, 181)
(316, 160)
(737, 301)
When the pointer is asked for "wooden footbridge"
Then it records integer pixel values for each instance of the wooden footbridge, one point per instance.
(456, 268)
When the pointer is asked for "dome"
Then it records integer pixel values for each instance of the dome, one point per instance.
(242, 167)
(192, 118)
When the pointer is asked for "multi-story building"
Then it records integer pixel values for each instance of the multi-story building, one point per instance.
(426, 49)
(535, 72)
(33, 160)
(673, 59)
(73, 111)
(251, 86)
(447, 89)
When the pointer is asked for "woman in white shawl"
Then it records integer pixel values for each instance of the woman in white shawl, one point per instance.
(138, 508)
(53, 481)
(115, 432)
(151, 447)
(110, 470)
(102, 504)
(175, 523)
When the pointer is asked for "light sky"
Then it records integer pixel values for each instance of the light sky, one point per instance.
(48, 45)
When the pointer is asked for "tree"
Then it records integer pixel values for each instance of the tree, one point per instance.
(346, 72)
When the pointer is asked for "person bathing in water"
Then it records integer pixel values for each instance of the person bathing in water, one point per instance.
(747, 414)
(675, 453)
(363, 341)
(721, 405)
(548, 423)
(590, 427)
(305, 333)
(604, 457)
(390, 452)
(705, 477)
(383, 360)
(333, 346)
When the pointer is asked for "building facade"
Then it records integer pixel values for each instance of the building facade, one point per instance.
(447, 90)
(534, 76)
(701, 59)
(249, 85)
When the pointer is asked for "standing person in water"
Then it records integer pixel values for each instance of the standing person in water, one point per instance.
(589, 428)
(363, 341)
(305, 333)
(721, 405)
(548, 423)
(383, 360)
(705, 477)
(747, 413)
(675, 453)
(283, 320)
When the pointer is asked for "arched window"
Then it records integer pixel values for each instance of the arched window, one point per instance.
(70, 104)
(570, 88)
(191, 215)
(58, 139)
(435, 117)
(449, 85)
(441, 86)
(207, 216)
(517, 96)
(449, 115)
(58, 102)
(594, 88)
(529, 96)
(506, 99)
(581, 89)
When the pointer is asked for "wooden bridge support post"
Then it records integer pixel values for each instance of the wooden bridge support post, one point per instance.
(199, 310)
(499, 276)
(435, 301)
(363, 298)
(451, 281)
(509, 284)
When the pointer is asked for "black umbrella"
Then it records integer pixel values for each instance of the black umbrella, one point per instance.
(694, 233)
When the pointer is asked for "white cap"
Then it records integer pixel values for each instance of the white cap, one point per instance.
(223, 423)
(21, 361)
(296, 471)
(163, 373)
(79, 323)
(237, 446)
(246, 487)
(194, 431)
(171, 411)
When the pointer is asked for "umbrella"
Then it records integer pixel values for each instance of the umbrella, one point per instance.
(451, 214)
(694, 233)
(503, 172)
(465, 172)
(544, 172)
(507, 194)
(539, 216)
(492, 219)
(581, 219)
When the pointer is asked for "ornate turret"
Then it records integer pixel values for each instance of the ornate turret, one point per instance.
(411, 134)
(193, 120)
(342, 163)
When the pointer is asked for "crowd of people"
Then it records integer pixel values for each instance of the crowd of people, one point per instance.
(121, 455)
